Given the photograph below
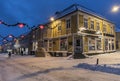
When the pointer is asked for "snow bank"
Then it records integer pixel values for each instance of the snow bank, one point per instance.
(102, 68)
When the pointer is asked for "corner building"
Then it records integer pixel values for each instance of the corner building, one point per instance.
(77, 30)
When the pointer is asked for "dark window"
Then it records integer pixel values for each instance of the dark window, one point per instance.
(104, 28)
(86, 23)
(68, 23)
(97, 26)
(92, 24)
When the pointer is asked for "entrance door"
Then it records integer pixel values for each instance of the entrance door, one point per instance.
(78, 45)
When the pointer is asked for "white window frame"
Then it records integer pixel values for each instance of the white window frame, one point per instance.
(92, 25)
(97, 26)
(85, 23)
(68, 23)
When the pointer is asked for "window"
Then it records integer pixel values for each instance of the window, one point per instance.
(104, 28)
(59, 26)
(50, 45)
(106, 44)
(113, 47)
(85, 23)
(111, 30)
(97, 26)
(63, 44)
(92, 25)
(92, 44)
(68, 23)
(98, 42)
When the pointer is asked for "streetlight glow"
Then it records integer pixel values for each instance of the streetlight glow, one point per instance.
(115, 8)
(52, 19)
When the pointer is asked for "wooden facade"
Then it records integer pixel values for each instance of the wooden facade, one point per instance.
(65, 34)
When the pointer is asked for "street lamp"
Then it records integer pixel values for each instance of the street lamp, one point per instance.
(52, 19)
(115, 8)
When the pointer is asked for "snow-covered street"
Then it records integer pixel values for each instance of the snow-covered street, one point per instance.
(30, 68)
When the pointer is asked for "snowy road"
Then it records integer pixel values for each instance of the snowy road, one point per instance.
(29, 68)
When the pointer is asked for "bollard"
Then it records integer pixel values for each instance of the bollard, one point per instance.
(97, 62)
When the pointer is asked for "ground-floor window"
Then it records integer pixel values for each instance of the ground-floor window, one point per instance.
(113, 45)
(106, 44)
(50, 45)
(63, 44)
(46, 44)
(109, 44)
(91, 44)
(98, 44)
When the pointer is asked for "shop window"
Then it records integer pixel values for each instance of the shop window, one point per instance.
(92, 25)
(85, 23)
(113, 47)
(98, 42)
(50, 43)
(63, 44)
(117, 46)
(106, 44)
(92, 44)
(68, 23)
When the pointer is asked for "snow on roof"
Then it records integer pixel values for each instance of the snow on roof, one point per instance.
(77, 7)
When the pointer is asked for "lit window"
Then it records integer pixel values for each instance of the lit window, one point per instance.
(63, 44)
(92, 44)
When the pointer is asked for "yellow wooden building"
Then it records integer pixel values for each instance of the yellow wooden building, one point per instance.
(77, 30)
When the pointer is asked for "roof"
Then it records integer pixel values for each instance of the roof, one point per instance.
(77, 7)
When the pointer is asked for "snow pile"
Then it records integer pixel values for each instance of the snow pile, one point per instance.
(102, 68)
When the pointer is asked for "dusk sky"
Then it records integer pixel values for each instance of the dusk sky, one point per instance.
(33, 12)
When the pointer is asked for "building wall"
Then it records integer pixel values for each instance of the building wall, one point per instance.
(118, 41)
(58, 33)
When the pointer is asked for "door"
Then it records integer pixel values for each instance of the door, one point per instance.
(78, 45)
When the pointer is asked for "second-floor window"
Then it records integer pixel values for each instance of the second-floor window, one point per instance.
(85, 23)
(111, 30)
(68, 24)
(59, 26)
(104, 28)
(97, 26)
(92, 25)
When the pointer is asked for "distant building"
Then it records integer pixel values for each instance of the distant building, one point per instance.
(25, 43)
(77, 30)
(118, 41)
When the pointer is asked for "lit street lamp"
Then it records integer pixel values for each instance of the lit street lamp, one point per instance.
(115, 8)
(52, 19)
